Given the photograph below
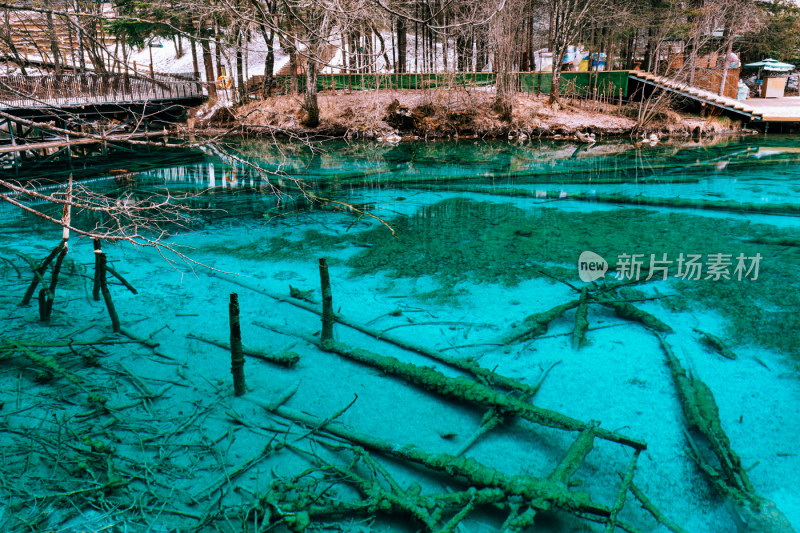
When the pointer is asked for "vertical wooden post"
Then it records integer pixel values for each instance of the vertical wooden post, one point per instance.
(96, 285)
(237, 356)
(327, 302)
(112, 311)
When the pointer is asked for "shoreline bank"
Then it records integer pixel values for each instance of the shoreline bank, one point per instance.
(425, 114)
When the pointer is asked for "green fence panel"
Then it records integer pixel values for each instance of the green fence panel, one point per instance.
(584, 84)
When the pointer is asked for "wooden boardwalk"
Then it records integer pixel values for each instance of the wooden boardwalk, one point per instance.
(754, 109)
(785, 109)
(76, 90)
(701, 95)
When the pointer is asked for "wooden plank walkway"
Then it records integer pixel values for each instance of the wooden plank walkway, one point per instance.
(786, 109)
(700, 95)
(75, 90)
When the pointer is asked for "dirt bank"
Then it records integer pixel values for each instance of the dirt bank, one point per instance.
(457, 113)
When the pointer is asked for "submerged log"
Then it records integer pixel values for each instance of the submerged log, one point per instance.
(287, 359)
(38, 273)
(122, 280)
(704, 428)
(48, 295)
(622, 493)
(631, 312)
(541, 493)
(464, 389)
(702, 415)
(574, 458)
(46, 362)
(648, 506)
(716, 344)
(581, 320)
(536, 325)
(494, 417)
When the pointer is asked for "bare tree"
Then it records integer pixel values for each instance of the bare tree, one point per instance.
(567, 19)
(742, 17)
(505, 28)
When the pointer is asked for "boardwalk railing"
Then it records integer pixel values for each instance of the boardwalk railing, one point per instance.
(65, 90)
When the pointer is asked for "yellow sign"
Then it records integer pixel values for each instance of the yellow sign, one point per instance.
(224, 82)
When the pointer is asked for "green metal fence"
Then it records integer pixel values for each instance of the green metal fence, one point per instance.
(608, 84)
(587, 84)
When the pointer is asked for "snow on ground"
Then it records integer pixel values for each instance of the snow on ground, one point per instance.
(14, 70)
(165, 58)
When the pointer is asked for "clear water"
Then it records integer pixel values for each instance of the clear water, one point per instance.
(448, 246)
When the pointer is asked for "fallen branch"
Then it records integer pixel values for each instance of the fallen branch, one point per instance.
(535, 325)
(581, 320)
(716, 344)
(287, 359)
(631, 312)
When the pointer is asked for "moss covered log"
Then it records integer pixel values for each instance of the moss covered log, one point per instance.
(536, 324)
(464, 389)
(716, 344)
(631, 312)
(544, 494)
(581, 320)
(729, 476)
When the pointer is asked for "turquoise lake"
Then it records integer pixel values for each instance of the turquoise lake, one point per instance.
(536, 307)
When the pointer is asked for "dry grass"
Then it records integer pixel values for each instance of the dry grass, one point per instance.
(447, 113)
